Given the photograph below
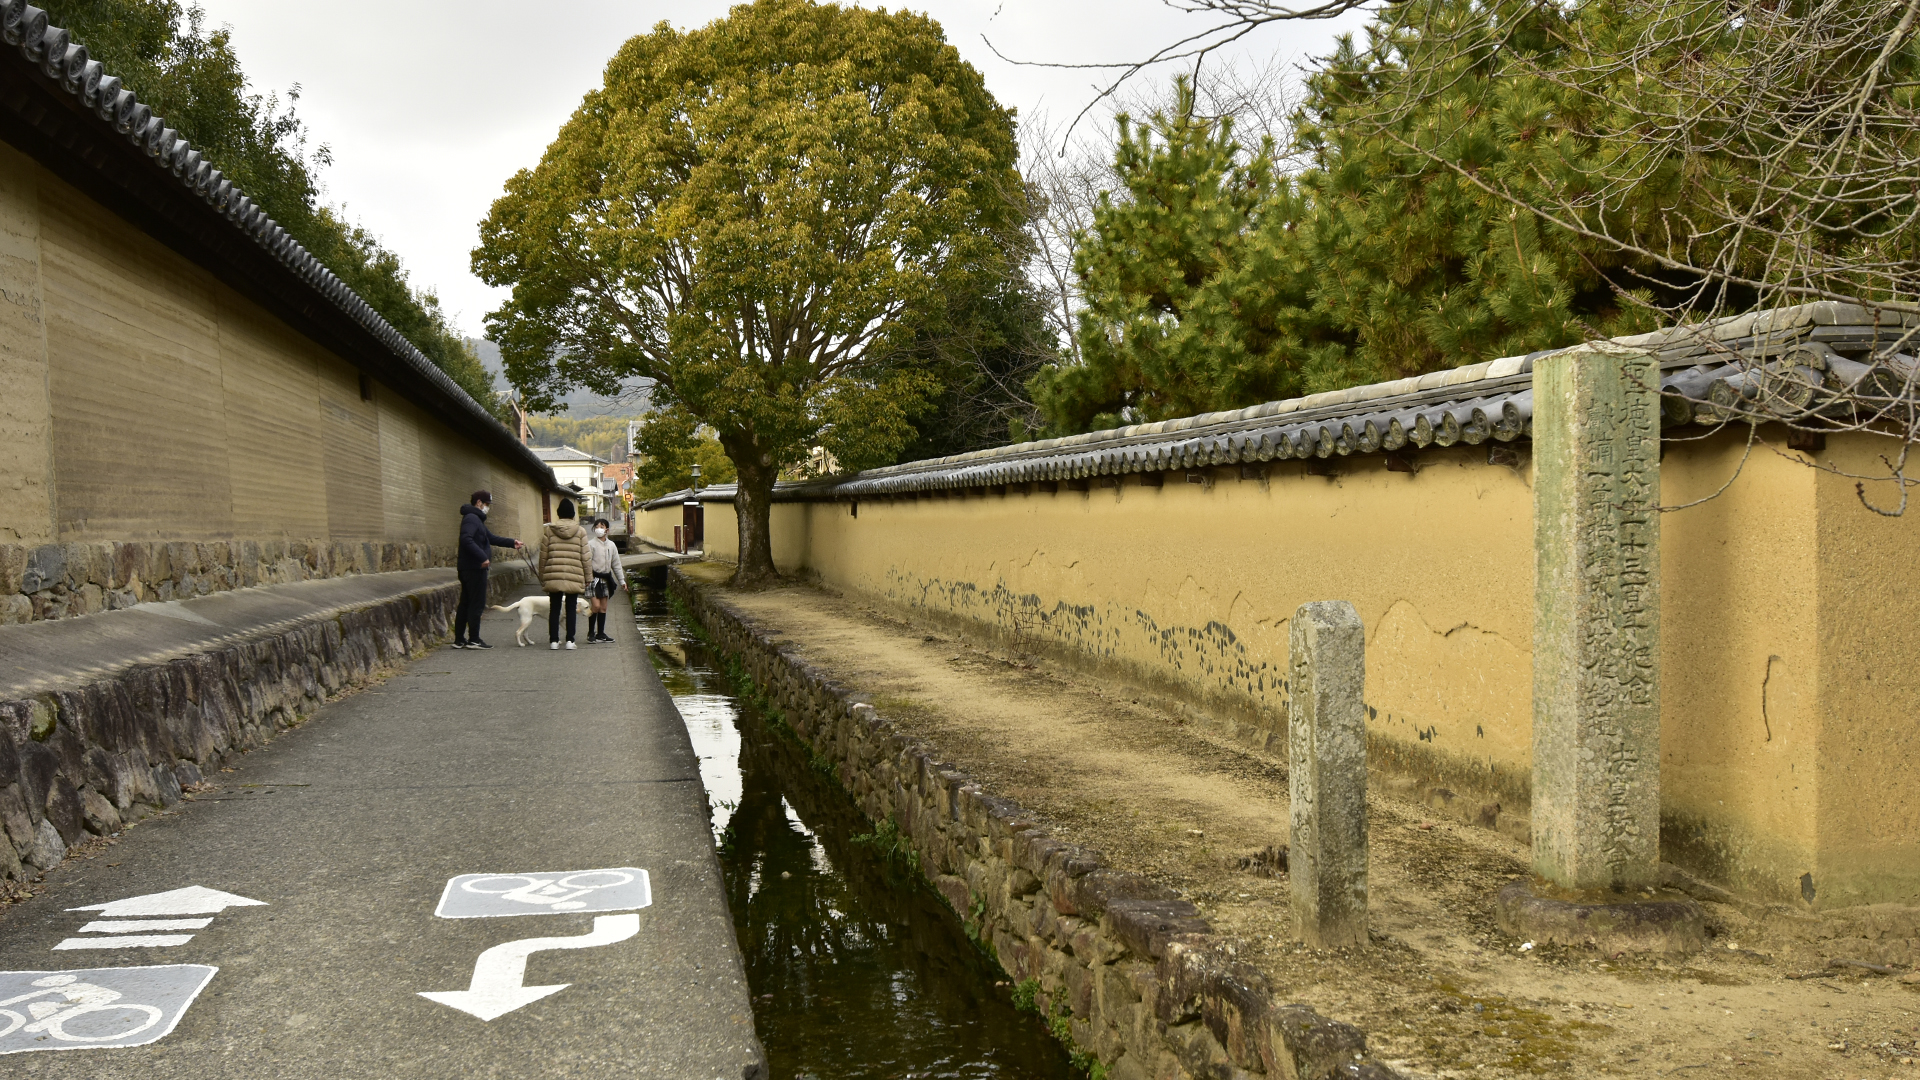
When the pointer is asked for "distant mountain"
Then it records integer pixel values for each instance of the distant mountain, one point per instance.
(580, 403)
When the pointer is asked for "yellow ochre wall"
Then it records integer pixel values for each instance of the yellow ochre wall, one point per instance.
(1790, 617)
(142, 400)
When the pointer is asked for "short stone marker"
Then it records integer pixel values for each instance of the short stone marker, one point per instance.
(1327, 774)
(95, 1008)
(1596, 658)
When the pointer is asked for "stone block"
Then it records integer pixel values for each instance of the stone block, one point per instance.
(64, 810)
(47, 848)
(46, 567)
(1147, 926)
(1669, 924)
(1596, 634)
(19, 824)
(13, 567)
(1235, 1003)
(100, 815)
(954, 891)
(1327, 774)
(1100, 886)
(100, 565)
(1308, 1046)
(1079, 995)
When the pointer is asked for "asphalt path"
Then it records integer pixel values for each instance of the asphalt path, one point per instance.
(348, 830)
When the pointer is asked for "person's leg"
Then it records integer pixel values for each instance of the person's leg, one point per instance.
(553, 617)
(573, 609)
(461, 611)
(473, 602)
(480, 588)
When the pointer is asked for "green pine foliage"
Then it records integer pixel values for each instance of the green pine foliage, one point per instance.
(1215, 282)
(163, 51)
(1189, 306)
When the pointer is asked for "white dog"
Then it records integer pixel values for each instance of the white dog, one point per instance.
(529, 608)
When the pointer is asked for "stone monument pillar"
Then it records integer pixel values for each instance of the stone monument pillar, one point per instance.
(1596, 656)
(1327, 774)
(1596, 625)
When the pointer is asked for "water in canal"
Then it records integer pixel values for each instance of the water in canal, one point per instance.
(857, 967)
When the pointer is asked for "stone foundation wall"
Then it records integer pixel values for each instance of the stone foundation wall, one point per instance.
(57, 581)
(89, 759)
(1136, 974)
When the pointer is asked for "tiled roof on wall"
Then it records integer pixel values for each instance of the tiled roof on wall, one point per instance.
(115, 108)
(1765, 365)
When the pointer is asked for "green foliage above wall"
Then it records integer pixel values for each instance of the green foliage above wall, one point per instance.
(1214, 280)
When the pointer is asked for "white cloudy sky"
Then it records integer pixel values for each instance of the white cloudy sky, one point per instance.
(429, 105)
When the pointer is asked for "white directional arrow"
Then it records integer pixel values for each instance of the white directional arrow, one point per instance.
(498, 975)
(192, 900)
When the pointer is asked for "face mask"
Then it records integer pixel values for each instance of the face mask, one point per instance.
(599, 532)
(483, 508)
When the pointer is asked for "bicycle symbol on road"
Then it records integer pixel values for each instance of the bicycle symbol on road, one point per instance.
(492, 896)
(102, 1007)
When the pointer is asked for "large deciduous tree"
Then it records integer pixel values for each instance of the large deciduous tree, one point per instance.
(767, 216)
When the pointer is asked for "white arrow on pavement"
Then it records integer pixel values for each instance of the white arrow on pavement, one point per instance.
(192, 900)
(498, 975)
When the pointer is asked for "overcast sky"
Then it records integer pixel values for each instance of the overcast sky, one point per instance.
(430, 105)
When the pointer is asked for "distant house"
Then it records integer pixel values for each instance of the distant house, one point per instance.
(579, 471)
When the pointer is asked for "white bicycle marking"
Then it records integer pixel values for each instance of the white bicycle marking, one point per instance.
(99, 1008)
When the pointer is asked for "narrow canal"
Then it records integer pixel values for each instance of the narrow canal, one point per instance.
(858, 969)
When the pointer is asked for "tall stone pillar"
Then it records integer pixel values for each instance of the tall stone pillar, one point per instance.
(1596, 663)
(1596, 630)
(1327, 774)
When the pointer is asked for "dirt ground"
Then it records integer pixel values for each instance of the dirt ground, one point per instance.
(1440, 991)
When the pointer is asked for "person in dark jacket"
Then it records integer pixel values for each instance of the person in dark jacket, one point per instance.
(476, 555)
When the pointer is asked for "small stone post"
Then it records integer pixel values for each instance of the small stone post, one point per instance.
(1327, 774)
(1596, 629)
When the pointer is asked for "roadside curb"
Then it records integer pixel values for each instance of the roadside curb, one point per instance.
(1120, 965)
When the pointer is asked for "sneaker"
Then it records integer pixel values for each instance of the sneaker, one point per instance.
(476, 643)
(459, 644)
(555, 646)
(569, 646)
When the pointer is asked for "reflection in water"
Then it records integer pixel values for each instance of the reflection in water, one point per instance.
(858, 969)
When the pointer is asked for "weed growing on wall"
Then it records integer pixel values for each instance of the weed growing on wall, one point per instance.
(1023, 996)
(892, 844)
(1060, 1025)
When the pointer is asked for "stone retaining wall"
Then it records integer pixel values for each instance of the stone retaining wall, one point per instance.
(1142, 982)
(87, 759)
(56, 581)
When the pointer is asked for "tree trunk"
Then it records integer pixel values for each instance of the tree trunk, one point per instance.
(753, 506)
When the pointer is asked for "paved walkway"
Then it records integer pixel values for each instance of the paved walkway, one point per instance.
(347, 830)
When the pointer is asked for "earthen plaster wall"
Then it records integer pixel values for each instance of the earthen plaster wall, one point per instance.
(1788, 617)
(146, 406)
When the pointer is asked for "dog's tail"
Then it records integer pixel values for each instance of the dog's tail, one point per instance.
(498, 607)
